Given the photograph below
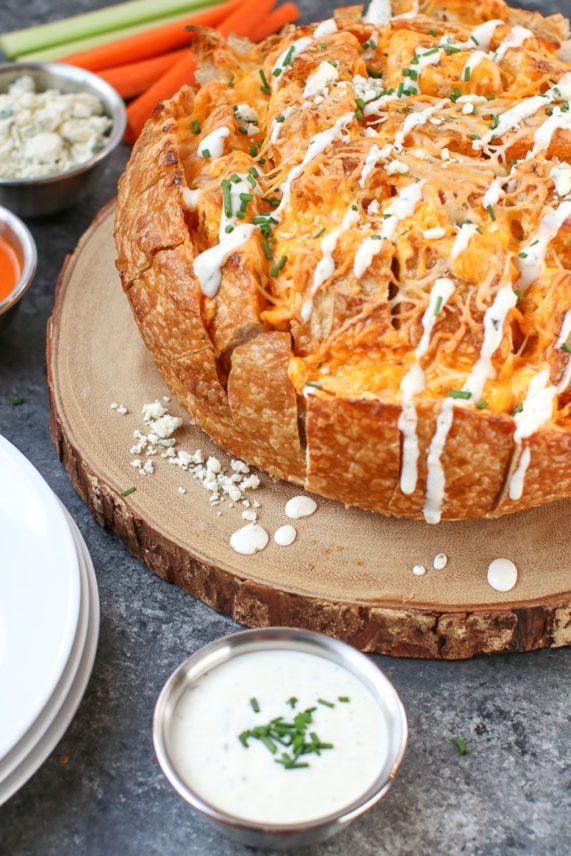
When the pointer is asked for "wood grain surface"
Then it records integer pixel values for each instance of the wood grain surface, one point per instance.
(349, 573)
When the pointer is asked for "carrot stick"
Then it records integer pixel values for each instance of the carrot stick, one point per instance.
(150, 43)
(133, 78)
(244, 20)
(286, 14)
(165, 87)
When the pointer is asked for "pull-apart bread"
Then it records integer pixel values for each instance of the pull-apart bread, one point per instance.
(349, 254)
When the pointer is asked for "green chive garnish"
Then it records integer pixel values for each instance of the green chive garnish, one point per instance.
(481, 405)
(196, 126)
(246, 197)
(17, 401)
(253, 151)
(254, 705)
(565, 347)
(267, 248)
(344, 698)
(438, 306)
(456, 94)
(229, 229)
(265, 87)
(278, 266)
(292, 701)
(288, 57)
(460, 393)
(461, 746)
(491, 212)
(325, 702)
(518, 409)
(467, 72)
(206, 153)
(227, 197)
(450, 49)
(320, 233)
(128, 491)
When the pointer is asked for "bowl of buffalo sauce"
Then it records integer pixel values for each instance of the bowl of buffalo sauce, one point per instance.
(18, 262)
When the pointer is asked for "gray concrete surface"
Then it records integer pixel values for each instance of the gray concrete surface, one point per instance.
(510, 795)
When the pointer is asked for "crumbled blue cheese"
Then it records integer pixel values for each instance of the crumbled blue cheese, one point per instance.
(367, 88)
(318, 83)
(561, 175)
(246, 114)
(45, 133)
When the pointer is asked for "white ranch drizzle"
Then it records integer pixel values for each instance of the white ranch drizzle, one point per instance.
(402, 207)
(379, 12)
(544, 134)
(374, 155)
(484, 33)
(424, 58)
(250, 539)
(518, 477)
(214, 144)
(514, 116)
(285, 535)
(326, 267)
(300, 506)
(317, 145)
(326, 28)
(463, 238)
(277, 126)
(561, 176)
(413, 383)
(494, 192)
(563, 336)
(435, 479)
(415, 120)
(298, 46)
(537, 409)
(190, 198)
(208, 265)
(494, 320)
(530, 260)
(515, 39)
(473, 62)
(502, 574)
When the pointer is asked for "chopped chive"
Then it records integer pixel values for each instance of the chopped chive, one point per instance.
(475, 40)
(278, 266)
(431, 52)
(288, 57)
(400, 89)
(292, 701)
(320, 233)
(206, 153)
(227, 197)
(196, 126)
(481, 405)
(276, 72)
(467, 73)
(376, 75)
(475, 137)
(232, 81)
(17, 401)
(522, 255)
(246, 197)
(261, 161)
(565, 347)
(243, 130)
(359, 114)
(518, 409)
(254, 705)
(251, 180)
(314, 384)
(325, 702)
(267, 249)
(495, 122)
(491, 212)
(253, 151)
(517, 293)
(456, 94)
(265, 87)
(433, 32)
(129, 491)
(269, 743)
(450, 49)
(438, 306)
(243, 738)
(460, 393)
(360, 103)
(235, 179)
(461, 746)
(344, 698)
(229, 229)
(279, 119)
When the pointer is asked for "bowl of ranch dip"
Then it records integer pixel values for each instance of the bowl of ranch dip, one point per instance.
(280, 737)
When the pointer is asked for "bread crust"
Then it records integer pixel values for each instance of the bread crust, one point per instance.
(233, 360)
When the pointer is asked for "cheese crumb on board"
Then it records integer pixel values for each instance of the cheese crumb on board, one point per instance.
(419, 570)
(119, 408)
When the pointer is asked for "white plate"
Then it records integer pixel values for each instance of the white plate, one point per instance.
(38, 744)
(39, 594)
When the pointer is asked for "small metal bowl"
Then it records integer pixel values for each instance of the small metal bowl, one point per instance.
(280, 836)
(19, 236)
(36, 197)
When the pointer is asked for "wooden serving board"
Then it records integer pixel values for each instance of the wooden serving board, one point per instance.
(349, 574)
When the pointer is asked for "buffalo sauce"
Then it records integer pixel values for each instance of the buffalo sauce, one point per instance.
(10, 268)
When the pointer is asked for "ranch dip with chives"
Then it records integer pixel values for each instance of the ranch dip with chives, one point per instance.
(226, 729)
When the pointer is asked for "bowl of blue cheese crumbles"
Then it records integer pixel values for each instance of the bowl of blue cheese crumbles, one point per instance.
(58, 123)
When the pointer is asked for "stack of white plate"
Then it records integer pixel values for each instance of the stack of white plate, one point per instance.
(49, 619)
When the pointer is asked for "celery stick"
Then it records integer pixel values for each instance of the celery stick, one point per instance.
(63, 50)
(92, 23)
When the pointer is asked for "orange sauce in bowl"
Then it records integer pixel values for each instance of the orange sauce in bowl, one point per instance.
(10, 268)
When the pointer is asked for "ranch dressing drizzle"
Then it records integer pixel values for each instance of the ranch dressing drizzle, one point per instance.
(277, 126)
(543, 136)
(537, 409)
(415, 120)
(494, 192)
(300, 506)
(190, 198)
(374, 155)
(299, 47)
(515, 39)
(326, 267)
(494, 320)
(214, 143)
(473, 62)
(484, 33)
(317, 146)
(512, 118)
(208, 265)
(424, 58)
(414, 382)
(502, 575)
(563, 336)
(285, 535)
(249, 539)
(435, 479)
(530, 261)
(379, 12)
(401, 208)
(463, 238)
(246, 782)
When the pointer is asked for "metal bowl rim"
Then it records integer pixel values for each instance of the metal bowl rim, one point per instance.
(112, 102)
(27, 245)
(289, 636)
